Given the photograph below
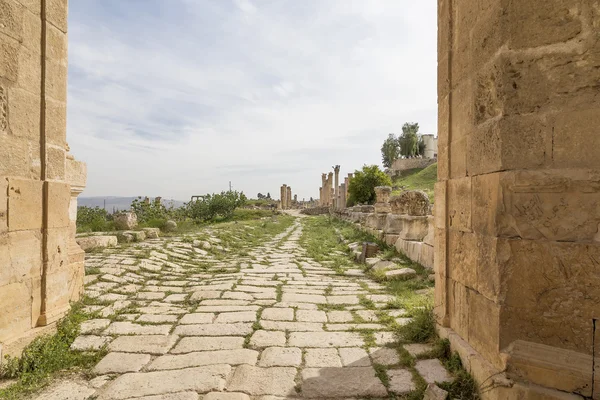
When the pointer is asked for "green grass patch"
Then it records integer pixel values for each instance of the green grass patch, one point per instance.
(46, 356)
(418, 179)
(421, 328)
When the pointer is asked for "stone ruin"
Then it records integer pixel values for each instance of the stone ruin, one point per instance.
(516, 213)
(41, 265)
(285, 202)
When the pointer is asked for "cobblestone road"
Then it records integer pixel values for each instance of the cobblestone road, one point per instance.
(272, 324)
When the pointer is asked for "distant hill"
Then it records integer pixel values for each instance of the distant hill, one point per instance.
(119, 203)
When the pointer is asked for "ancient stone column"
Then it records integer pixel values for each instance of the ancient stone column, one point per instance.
(336, 169)
(40, 272)
(320, 196)
(346, 183)
(324, 191)
(283, 197)
(288, 197)
(517, 249)
(330, 190)
(342, 196)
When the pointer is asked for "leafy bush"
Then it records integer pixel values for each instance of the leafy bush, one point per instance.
(362, 185)
(149, 210)
(213, 206)
(94, 219)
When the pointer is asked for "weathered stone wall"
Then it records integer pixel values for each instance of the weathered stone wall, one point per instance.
(402, 221)
(517, 249)
(41, 265)
(404, 164)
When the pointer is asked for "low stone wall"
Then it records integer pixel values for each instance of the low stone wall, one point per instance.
(315, 211)
(403, 221)
(404, 164)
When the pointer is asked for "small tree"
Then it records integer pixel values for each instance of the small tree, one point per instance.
(390, 150)
(409, 140)
(362, 185)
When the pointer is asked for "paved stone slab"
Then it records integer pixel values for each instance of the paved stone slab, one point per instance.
(384, 355)
(263, 338)
(157, 318)
(433, 371)
(171, 396)
(204, 343)
(416, 349)
(401, 381)
(303, 298)
(322, 358)
(354, 357)
(202, 379)
(241, 316)
(342, 300)
(83, 343)
(319, 383)
(226, 396)
(339, 316)
(256, 381)
(129, 328)
(151, 344)
(281, 357)
(94, 326)
(325, 339)
(292, 326)
(67, 390)
(434, 392)
(311, 316)
(196, 359)
(121, 363)
(235, 329)
(278, 314)
(197, 318)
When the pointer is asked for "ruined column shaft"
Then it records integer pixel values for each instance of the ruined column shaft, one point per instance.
(288, 197)
(336, 187)
(516, 210)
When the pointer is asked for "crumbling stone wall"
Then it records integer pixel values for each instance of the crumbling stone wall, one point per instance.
(41, 265)
(517, 248)
(403, 221)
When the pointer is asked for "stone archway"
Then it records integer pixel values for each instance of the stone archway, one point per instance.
(518, 199)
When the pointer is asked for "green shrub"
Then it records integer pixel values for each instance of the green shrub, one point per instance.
(213, 206)
(362, 185)
(94, 219)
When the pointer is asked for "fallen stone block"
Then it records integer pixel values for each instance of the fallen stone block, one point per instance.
(96, 242)
(402, 273)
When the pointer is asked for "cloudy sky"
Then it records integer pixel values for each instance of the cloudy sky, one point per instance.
(178, 97)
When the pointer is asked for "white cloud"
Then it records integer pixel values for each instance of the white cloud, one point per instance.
(179, 100)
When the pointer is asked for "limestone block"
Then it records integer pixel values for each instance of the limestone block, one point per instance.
(411, 202)
(414, 228)
(459, 204)
(3, 205)
(32, 27)
(20, 256)
(393, 224)
(549, 366)
(59, 200)
(25, 204)
(15, 160)
(375, 221)
(151, 233)
(56, 13)
(402, 273)
(9, 48)
(56, 163)
(29, 76)
(76, 172)
(390, 240)
(15, 310)
(96, 242)
(458, 308)
(170, 226)
(427, 257)
(550, 285)
(434, 392)
(56, 80)
(24, 113)
(11, 19)
(126, 221)
(56, 122)
(429, 239)
(484, 327)
(56, 45)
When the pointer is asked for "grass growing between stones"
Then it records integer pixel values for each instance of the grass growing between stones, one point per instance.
(46, 356)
